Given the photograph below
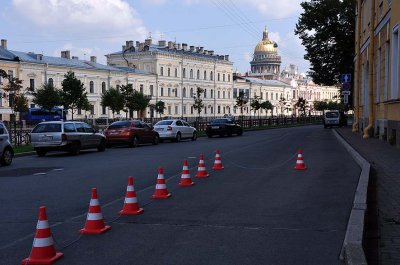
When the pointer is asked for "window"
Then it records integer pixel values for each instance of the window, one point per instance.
(205, 93)
(184, 92)
(162, 71)
(211, 76)
(176, 72)
(229, 78)
(91, 87)
(151, 90)
(205, 75)
(141, 88)
(386, 84)
(223, 94)
(10, 74)
(229, 94)
(378, 75)
(219, 108)
(103, 110)
(223, 77)
(162, 91)
(103, 87)
(266, 96)
(169, 110)
(169, 71)
(294, 94)
(79, 111)
(218, 79)
(184, 109)
(219, 92)
(176, 109)
(191, 73)
(92, 109)
(51, 82)
(176, 92)
(191, 110)
(212, 93)
(32, 84)
(88, 128)
(235, 92)
(395, 63)
(169, 92)
(118, 88)
(276, 96)
(184, 72)
(79, 127)
(191, 92)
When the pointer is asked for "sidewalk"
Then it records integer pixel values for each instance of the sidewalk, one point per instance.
(385, 163)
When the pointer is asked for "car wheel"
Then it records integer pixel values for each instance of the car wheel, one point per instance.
(134, 142)
(178, 137)
(194, 137)
(7, 157)
(41, 152)
(108, 145)
(75, 149)
(102, 146)
(240, 132)
(229, 133)
(209, 135)
(156, 140)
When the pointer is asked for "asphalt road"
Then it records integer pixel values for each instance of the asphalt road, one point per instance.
(258, 210)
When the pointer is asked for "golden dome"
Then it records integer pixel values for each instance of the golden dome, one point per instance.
(265, 45)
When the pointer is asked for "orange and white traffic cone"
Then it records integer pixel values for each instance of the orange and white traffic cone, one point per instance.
(161, 191)
(131, 205)
(94, 220)
(300, 163)
(43, 251)
(186, 180)
(217, 163)
(201, 170)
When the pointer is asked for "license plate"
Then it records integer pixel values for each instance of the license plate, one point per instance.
(45, 138)
(214, 127)
(114, 133)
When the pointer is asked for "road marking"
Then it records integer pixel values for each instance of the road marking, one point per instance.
(192, 157)
(58, 169)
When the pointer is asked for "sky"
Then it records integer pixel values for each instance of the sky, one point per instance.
(98, 27)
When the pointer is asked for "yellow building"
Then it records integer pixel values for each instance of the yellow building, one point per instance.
(377, 70)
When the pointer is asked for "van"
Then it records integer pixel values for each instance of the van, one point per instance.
(334, 118)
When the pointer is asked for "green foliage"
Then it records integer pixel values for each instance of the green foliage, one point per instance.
(301, 104)
(198, 101)
(13, 92)
(326, 29)
(266, 105)
(73, 93)
(133, 99)
(48, 97)
(20, 103)
(160, 107)
(255, 104)
(320, 105)
(113, 99)
(241, 101)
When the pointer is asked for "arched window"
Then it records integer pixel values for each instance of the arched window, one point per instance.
(218, 77)
(205, 75)
(229, 78)
(191, 73)
(162, 71)
(211, 76)
(198, 74)
(191, 92)
(176, 72)
(176, 92)
(151, 90)
(169, 71)
(223, 77)
(212, 93)
(184, 92)
(91, 87)
(51, 82)
(103, 87)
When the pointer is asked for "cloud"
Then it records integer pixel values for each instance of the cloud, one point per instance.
(83, 17)
(276, 9)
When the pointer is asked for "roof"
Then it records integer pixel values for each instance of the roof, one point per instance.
(266, 82)
(59, 61)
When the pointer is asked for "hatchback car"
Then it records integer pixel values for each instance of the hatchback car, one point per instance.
(175, 130)
(70, 136)
(223, 126)
(132, 133)
(6, 149)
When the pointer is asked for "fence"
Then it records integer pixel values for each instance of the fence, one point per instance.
(20, 136)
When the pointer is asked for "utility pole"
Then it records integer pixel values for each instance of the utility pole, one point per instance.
(215, 90)
(182, 86)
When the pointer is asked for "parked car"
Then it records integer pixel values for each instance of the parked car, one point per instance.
(131, 132)
(70, 136)
(223, 126)
(175, 130)
(334, 118)
(6, 149)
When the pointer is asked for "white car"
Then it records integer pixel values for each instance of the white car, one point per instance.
(6, 149)
(175, 130)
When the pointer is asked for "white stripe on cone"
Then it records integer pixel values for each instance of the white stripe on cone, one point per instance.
(130, 188)
(94, 216)
(160, 177)
(160, 186)
(94, 202)
(201, 169)
(300, 162)
(185, 176)
(42, 224)
(131, 200)
(43, 242)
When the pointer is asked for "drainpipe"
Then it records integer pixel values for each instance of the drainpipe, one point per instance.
(371, 116)
(357, 81)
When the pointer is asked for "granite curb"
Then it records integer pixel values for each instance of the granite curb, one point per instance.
(352, 250)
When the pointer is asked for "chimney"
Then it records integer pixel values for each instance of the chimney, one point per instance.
(179, 46)
(205, 52)
(137, 43)
(201, 50)
(141, 46)
(75, 58)
(226, 57)
(211, 52)
(93, 59)
(170, 45)
(4, 44)
(39, 57)
(66, 54)
(161, 43)
(184, 46)
(147, 42)
(123, 47)
(192, 48)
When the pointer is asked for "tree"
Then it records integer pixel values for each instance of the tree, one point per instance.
(326, 29)
(73, 93)
(160, 107)
(256, 105)
(282, 104)
(198, 104)
(113, 99)
(134, 100)
(47, 97)
(320, 106)
(266, 105)
(13, 91)
(241, 101)
(302, 104)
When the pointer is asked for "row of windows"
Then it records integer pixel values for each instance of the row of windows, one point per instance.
(225, 78)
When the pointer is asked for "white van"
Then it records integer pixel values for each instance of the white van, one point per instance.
(334, 118)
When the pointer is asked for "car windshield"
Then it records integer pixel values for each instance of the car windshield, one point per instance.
(332, 114)
(164, 123)
(120, 124)
(219, 121)
(48, 127)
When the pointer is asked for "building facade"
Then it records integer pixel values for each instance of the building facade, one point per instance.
(377, 71)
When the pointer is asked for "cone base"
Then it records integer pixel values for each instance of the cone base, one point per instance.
(85, 231)
(299, 168)
(42, 261)
(186, 184)
(202, 176)
(155, 196)
(218, 168)
(128, 212)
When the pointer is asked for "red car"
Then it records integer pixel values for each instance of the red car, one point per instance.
(132, 133)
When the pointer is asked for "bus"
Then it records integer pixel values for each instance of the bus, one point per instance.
(36, 115)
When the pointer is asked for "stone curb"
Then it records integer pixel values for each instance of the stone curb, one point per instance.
(25, 154)
(352, 251)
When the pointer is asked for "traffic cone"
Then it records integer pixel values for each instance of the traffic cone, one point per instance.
(161, 191)
(131, 206)
(201, 170)
(94, 220)
(217, 163)
(186, 180)
(43, 251)
(300, 163)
